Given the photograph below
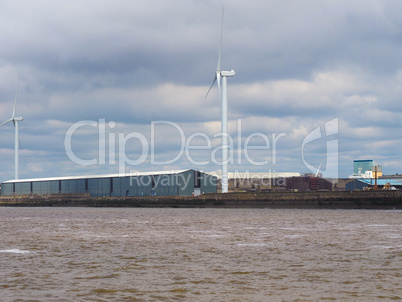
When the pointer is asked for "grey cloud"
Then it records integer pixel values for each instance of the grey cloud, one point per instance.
(136, 62)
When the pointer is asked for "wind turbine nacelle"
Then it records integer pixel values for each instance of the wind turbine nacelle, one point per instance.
(230, 73)
(18, 119)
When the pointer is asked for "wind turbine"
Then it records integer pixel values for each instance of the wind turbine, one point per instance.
(224, 125)
(15, 120)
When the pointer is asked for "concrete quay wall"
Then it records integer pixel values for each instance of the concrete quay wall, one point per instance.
(299, 200)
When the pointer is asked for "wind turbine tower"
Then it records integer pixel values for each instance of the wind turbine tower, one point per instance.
(15, 120)
(220, 74)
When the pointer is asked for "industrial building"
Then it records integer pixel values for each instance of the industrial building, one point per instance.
(308, 183)
(366, 183)
(179, 183)
(253, 181)
(366, 168)
(278, 181)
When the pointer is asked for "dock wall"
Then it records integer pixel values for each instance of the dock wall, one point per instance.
(299, 200)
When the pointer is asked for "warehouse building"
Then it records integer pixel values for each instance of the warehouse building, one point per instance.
(308, 183)
(366, 183)
(254, 181)
(179, 183)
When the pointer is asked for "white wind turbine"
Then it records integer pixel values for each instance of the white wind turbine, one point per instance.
(224, 126)
(15, 120)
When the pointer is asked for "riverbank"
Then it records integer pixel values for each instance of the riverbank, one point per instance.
(301, 200)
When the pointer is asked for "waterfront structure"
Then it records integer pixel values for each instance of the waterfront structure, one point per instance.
(308, 183)
(240, 181)
(176, 182)
(383, 183)
(274, 181)
(366, 168)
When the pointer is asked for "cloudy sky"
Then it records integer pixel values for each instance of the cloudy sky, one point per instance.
(126, 81)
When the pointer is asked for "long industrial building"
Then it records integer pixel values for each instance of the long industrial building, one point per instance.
(383, 183)
(177, 182)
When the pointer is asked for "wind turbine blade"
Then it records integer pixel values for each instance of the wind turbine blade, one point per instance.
(318, 170)
(10, 120)
(218, 67)
(16, 97)
(213, 82)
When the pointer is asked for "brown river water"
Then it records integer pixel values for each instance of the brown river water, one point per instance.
(138, 254)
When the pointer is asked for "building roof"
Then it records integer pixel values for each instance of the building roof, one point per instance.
(254, 175)
(132, 173)
(363, 160)
(383, 181)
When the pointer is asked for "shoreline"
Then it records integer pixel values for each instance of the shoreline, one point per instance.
(292, 200)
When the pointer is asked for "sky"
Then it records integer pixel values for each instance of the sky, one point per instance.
(112, 86)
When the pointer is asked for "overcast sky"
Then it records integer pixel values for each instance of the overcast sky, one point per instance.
(299, 65)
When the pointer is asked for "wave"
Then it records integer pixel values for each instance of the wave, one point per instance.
(15, 251)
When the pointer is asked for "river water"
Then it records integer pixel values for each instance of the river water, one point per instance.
(138, 254)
